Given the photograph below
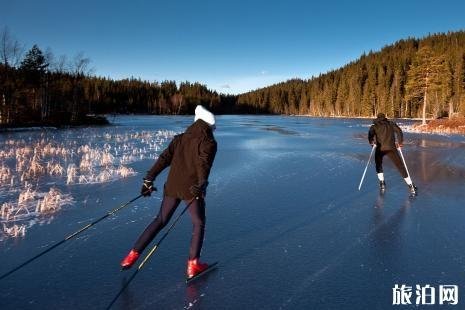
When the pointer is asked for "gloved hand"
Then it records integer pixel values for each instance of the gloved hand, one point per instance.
(147, 188)
(199, 190)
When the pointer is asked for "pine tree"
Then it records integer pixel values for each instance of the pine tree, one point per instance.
(458, 84)
(424, 77)
(34, 61)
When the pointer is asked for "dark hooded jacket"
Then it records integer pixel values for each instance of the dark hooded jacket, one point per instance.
(190, 156)
(383, 132)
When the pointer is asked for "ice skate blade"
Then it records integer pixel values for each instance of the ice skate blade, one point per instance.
(199, 275)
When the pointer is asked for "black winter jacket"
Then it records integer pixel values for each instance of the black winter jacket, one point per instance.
(383, 132)
(190, 156)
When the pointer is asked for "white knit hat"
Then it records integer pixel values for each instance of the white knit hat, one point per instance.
(205, 115)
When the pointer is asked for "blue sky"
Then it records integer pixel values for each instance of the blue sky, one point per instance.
(231, 46)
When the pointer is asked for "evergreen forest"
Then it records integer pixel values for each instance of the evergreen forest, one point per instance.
(413, 78)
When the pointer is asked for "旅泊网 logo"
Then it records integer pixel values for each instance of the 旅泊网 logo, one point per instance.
(425, 295)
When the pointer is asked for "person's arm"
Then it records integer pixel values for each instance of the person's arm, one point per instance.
(371, 135)
(207, 153)
(399, 134)
(163, 161)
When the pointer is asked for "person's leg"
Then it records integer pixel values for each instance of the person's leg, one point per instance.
(379, 167)
(379, 160)
(168, 206)
(395, 157)
(197, 212)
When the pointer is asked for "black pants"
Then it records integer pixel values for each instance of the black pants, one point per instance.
(168, 206)
(394, 156)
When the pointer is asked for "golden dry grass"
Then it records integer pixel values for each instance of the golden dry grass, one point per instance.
(443, 126)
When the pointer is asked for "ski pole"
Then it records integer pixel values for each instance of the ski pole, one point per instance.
(155, 247)
(69, 237)
(365, 171)
(403, 160)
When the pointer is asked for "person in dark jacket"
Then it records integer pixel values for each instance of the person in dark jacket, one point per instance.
(190, 156)
(388, 136)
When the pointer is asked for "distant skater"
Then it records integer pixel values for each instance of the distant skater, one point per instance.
(387, 136)
(190, 156)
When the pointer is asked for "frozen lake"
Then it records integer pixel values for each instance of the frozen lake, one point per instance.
(284, 219)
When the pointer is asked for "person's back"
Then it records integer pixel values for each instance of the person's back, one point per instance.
(388, 137)
(193, 155)
(385, 131)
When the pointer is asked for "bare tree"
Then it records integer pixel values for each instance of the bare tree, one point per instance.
(50, 59)
(58, 64)
(10, 49)
(80, 65)
(80, 68)
(10, 56)
(61, 65)
(178, 101)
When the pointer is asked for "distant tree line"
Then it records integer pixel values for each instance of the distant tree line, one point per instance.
(39, 89)
(411, 78)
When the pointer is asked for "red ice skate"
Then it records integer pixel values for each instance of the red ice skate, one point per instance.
(129, 260)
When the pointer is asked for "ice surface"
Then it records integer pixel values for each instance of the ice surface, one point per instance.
(284, 219)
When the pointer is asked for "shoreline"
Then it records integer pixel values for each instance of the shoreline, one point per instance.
(443, 126)
(88, 120)
(454, 126)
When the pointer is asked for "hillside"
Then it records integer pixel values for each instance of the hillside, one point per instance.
(410, 78)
